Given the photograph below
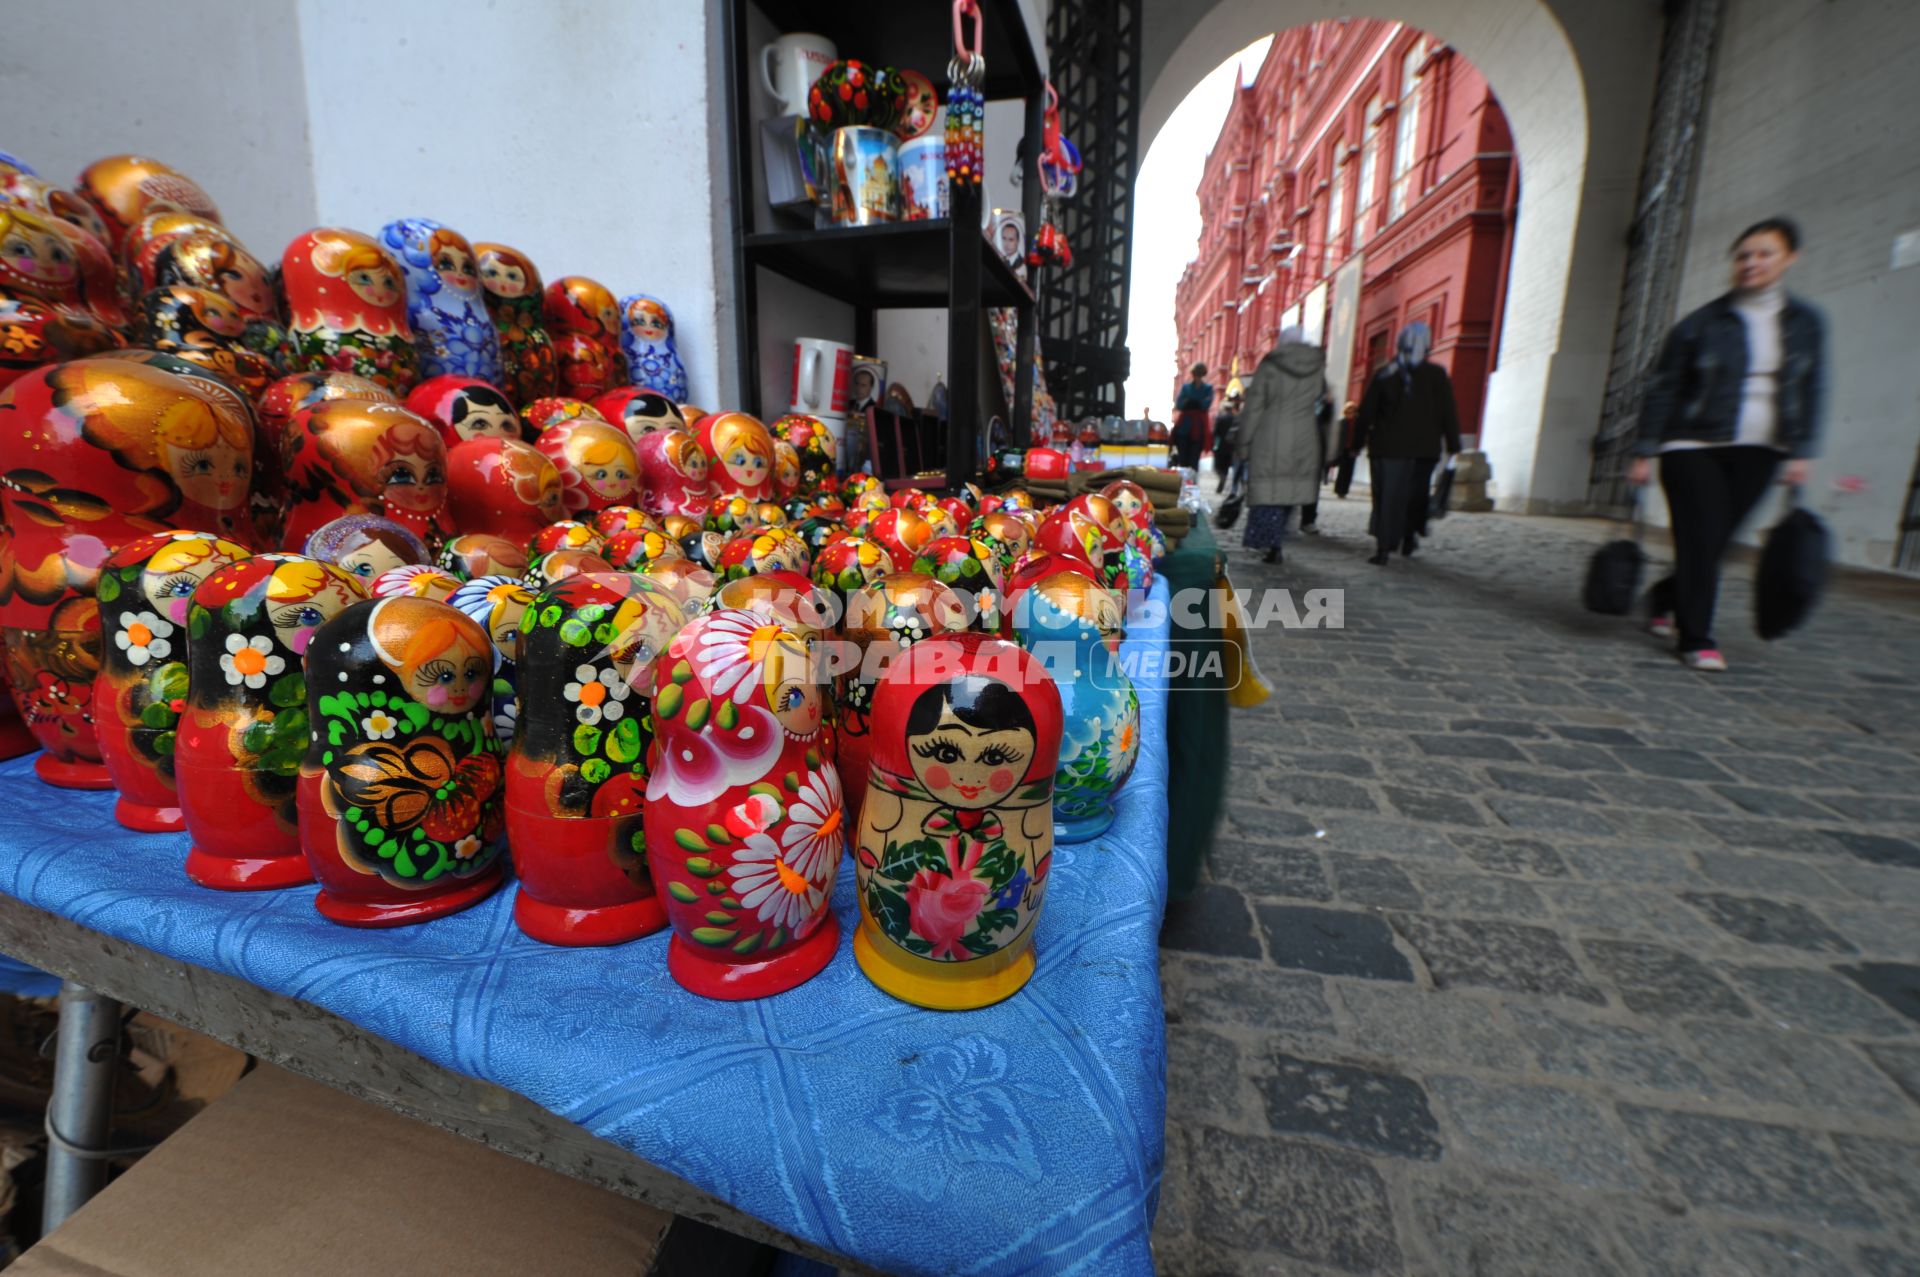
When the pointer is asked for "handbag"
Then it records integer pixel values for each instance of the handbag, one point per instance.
(1229, 512)
(1793, 571)
(1442, 493)
(1613, 573)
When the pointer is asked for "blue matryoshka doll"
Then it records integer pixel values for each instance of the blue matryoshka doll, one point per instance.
(452, 330)
(646, 335)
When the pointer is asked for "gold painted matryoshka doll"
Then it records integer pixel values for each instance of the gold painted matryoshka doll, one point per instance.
(355, 456)
(399, 793)
(347, 308)
(597, 463)
(583, 322)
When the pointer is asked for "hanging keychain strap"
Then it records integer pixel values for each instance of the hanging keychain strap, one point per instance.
(966, 54)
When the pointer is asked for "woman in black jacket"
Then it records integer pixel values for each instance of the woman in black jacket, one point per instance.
(1406, 417)
(1738, 391)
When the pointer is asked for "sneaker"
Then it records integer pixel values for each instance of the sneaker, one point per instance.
(1707, 658)
(1311, 529)
(1660, 626)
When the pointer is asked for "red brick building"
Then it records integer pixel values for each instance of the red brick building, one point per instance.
(1365, 179)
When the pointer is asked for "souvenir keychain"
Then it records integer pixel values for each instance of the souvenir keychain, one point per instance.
(966, 104)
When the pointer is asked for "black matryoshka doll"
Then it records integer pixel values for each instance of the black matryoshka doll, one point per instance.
(514, 299)
(577, 771)
(145, 590)
(499, 605)
(400, 791)
(238, 746)
(956, 832)
(204, 328)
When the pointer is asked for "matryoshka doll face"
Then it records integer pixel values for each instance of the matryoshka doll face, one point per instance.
(692, 461)
(648, 320)
(216, 263)
(922, 103)
(464, 408)
(792, 686)
(442, 660)
(453, 261)
(1128, 497)
(208, 449)
(504, 274)
(473, 554)
(341, 279)
(379, 552)
(639, 410)
(969, 764)
(176, 569)
(743, 450)
(36, 259)
(412, 468)
(594, 457)
(303, 594)
(786, 469)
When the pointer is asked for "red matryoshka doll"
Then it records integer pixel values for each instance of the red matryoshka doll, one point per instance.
(554, 409)
(882, 620)
(584, 322)
(744, 821)
(623, 518)
(640, 410)
(464, 408)
(347, 308)
(1116, 536)
(567, 534)
(513, 293)
(956, 833)
(125, 188)
(145, 590)
(787, 597)
(276, 441)
(15, 737)
(1132, 501)
(597, 463)
(473, 554)
(43, 313)
(939, 522)
(674, 476)
(415, 580)
(94, 454)
(1037, 566)
(968, 568)
(901, 532)
(632, 550)
(1005, 536)
(355, 456)
(76, 221)
(1075, 534)
(908, 498)
(238, 745)
(849, 564)
(957, 510)
(367, 546)
(502, 487)
(206, 330)
(763, 550)
(742, 454)
(400, 814)
(786, 470)
(577, 771)
(690, 584)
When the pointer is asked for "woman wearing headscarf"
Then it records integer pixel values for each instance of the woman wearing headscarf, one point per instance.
(1735, 399)
(1279, 434)
(1192, 420)
(1406, 418)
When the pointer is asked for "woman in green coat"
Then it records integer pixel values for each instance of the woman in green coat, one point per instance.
(1279, 436)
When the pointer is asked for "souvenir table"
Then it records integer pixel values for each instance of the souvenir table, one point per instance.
(831, 1119)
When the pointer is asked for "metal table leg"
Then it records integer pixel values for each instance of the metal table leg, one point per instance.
(80, 1112)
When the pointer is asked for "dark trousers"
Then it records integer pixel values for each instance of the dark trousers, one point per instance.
(1710, 493)
(1399, 498)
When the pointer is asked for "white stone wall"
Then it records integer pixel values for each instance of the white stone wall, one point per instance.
(1814, 115)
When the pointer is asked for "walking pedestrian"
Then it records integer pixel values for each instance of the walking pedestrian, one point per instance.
(1347, 453)
(1279, 434)
(1736, 398)
(1223, 440)
(1406, 418)
(1192, 426)
(1322, 418)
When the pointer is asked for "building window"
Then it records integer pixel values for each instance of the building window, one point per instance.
(1369, 168)
(1336, 206)
(1406, 130)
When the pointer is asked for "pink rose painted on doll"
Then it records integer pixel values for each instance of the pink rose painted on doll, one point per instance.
(942, 907)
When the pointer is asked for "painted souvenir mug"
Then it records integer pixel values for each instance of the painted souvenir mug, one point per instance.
(862, 189)
(923, 179)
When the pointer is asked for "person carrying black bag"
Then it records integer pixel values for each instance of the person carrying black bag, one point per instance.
(1739, 389)
(1406, 418)
(1223, 432)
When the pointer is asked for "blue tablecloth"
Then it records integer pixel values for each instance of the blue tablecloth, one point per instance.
(1023, 1138)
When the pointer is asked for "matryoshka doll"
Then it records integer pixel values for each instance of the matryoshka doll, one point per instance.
(561, 564)
(1125, 568)
(276, 441)
(144, 591)
(502, 487)
(1076, 625)
(452, 330)
(355, 456)
(366, 545)
(763, 550)
(968, 568)
(554, 409)
(640, 410)
(674, 474)
(400, 812)
(741, 451)
(205, 329)
(1132, 501)
(347, 308)
(513, 296)
(584, 324)
(565, 536)
(956, 831)
(1074, 534)
(652, 355)
(464, 408)
(632, 550)
(848, 565)
(415, 580)
(597, 463)
(901, 532)
(43, 313)
(690, 584)
(615, 519)
(215, 263)
(239, 742)
(744, 821)
(731, 515)
(882, 620)
(474, 554)
(786, 470)
(577, 772)
(93, 454)
(499, 604)
(125, 188)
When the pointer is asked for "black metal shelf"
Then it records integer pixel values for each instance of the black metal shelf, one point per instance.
(918, 34)
(896, 265)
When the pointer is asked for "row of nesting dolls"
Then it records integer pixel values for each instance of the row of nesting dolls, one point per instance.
(657, 770)
(137, 251)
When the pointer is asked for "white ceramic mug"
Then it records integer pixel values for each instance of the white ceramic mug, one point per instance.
(923, 179)
(821, 372)
(790, 65)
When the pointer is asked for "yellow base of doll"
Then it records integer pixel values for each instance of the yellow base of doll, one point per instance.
(943, 986)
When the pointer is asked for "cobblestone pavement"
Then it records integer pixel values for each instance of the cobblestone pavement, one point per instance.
(1527, 951)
